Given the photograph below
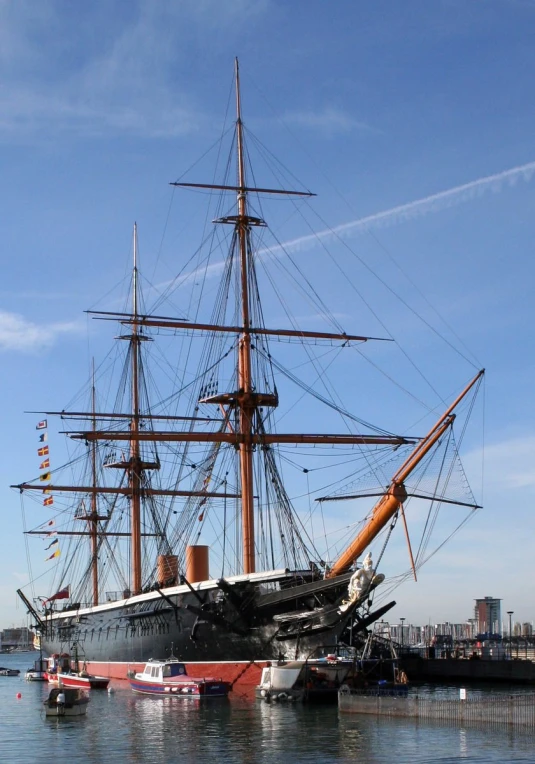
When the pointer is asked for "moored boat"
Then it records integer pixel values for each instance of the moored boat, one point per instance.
(170, 678)
(66, 702)
(64, 672)
(81, 679)
(8, 671)
(314, 680)
(377, 677)
(377, 670)
(37, 672)
(57, 663)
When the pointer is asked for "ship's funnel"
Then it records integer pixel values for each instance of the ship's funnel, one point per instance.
(167, 569)
(196, 563)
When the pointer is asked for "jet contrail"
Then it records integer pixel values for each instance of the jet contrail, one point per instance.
(401, 213)
(419, 207)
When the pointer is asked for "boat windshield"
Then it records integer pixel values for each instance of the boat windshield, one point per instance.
(174, 669)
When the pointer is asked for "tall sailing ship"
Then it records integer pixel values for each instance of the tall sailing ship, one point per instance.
(204, 462)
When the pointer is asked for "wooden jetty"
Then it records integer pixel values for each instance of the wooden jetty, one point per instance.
(513, 710)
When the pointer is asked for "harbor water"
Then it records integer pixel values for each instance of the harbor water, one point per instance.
(123, 727)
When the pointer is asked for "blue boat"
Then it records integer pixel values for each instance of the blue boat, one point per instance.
(169, 677)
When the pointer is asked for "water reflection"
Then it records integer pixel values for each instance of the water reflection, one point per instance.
(125, 727)
(463, 744)
(164, 727)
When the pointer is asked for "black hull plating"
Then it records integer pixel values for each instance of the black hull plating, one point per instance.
(222, 624)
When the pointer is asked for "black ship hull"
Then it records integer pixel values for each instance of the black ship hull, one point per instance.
(280, 616)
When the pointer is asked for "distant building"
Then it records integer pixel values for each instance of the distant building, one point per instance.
(20, 638)
(527, 629)
(487, 614)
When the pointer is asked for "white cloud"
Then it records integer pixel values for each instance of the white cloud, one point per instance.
(329, 121)
(19, 334)
(106, 71)
(508, 465)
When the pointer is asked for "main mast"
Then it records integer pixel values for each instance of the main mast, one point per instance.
(246, 405)
(135, 461)
(93, 523)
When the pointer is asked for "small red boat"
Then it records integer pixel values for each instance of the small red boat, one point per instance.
(63, 673)
(82, 679)
(169, 677)
(56, 663)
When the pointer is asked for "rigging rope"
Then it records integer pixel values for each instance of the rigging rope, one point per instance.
(322, 399)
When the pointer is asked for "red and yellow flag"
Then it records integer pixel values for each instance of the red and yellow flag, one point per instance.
(42, 451)
(44, 465)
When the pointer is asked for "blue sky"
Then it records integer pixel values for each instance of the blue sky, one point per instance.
(413, 122)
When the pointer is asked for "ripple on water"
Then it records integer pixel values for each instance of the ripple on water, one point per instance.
(123, 727)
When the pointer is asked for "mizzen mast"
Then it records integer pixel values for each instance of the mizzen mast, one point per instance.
(92, 517)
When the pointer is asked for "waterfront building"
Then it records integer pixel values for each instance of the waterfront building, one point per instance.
(486, 622)
(411, 634)
(487, 613)
(16, 638)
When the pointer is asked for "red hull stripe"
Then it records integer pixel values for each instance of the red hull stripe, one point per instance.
(236, 673)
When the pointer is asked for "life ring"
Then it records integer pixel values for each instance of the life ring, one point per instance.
(282, 696)
(344, 689)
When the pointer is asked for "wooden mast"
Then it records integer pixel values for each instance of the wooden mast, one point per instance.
(94, 504)
(92, 516)
(388, 505)
(135, 461)
(246, 405)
